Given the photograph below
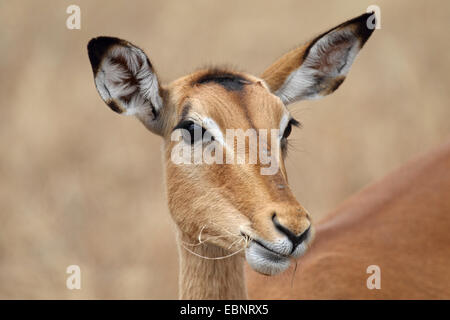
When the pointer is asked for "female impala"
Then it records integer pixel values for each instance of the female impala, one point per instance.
(219, 209)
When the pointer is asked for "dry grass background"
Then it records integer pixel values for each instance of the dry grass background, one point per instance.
(82, 185)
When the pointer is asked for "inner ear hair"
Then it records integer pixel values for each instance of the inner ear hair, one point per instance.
(125, 79)
(320, 66)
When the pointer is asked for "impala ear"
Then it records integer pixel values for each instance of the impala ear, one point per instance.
(319, 67)
(125, 80)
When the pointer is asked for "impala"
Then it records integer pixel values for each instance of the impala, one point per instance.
(227, 213)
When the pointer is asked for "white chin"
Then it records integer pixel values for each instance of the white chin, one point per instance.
(265, 261)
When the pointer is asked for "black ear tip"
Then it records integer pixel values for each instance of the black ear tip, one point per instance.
(371, 17)
(97, 47)
(366, 25)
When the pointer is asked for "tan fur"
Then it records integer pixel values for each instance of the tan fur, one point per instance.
(211, 279)
(216, 200)
(277, 73)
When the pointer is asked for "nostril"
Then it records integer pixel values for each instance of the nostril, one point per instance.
(295, 239)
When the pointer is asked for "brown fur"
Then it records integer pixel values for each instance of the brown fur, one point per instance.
(400, 223)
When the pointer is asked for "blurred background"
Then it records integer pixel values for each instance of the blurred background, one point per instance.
(82, 185)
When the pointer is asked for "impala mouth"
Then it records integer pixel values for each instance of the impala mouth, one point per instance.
(271, 258)
(270, 250)
(265, 260)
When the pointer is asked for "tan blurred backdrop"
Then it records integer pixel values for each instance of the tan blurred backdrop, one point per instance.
(82, 185)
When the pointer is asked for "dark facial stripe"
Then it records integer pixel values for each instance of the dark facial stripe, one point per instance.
(227, 80)
(185, 111)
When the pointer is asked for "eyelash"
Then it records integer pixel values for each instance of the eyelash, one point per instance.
(288, 130)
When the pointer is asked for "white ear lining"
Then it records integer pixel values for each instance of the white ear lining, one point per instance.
(296, 86)
(126, 77)
(148, 82)
(338, 60)
(126, 81)
(327, 63)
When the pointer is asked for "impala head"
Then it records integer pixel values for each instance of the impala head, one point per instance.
(229, 205)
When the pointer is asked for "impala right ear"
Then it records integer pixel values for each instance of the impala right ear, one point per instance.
(126, 81)
(320, 66)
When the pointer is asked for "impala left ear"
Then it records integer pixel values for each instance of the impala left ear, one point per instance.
(319, 67)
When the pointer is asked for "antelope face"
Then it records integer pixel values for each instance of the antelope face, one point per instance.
(223, 192)
(232, 204)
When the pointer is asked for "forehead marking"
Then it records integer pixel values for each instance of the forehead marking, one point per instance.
(229, 81)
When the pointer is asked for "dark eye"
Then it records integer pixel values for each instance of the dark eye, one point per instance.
(192, 132)
(287, 131)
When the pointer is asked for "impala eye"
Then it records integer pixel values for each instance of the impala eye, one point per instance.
(191, 132)
(288, 130)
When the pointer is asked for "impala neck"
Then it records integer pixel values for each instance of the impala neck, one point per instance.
(210, 279)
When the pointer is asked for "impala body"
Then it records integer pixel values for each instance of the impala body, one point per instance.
(400, 224)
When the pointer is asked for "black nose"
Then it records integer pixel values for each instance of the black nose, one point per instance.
(295, 239)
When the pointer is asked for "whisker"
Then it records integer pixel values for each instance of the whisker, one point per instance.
(213, 258)
(227, 231)
(200, 234)
(237, 241)
(202, 241)
(205, 240)
(293, 275)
